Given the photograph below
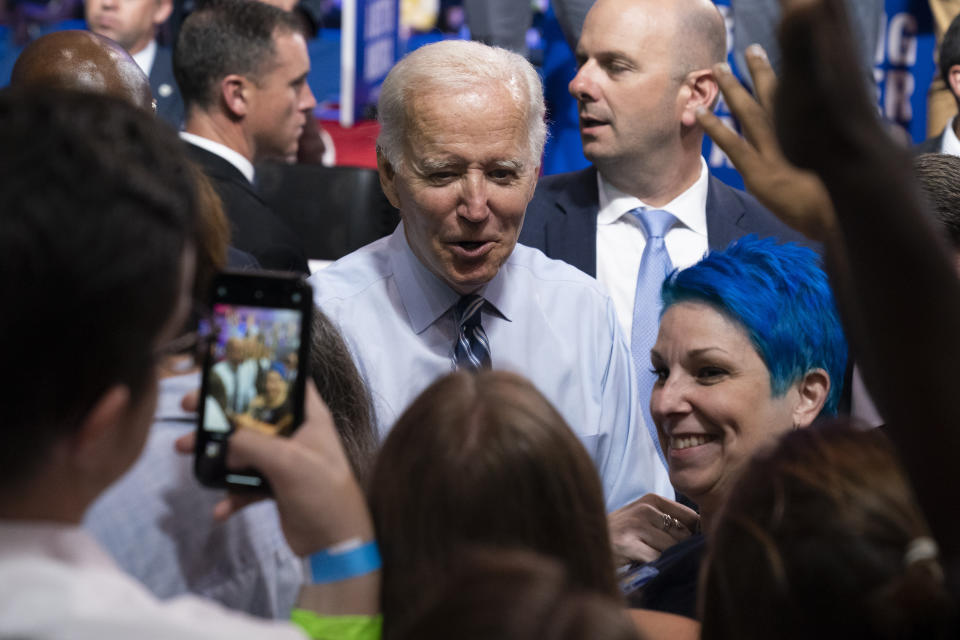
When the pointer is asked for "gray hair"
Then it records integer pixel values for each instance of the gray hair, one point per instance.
(457, 65)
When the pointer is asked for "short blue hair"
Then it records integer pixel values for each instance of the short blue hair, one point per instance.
(781, 297)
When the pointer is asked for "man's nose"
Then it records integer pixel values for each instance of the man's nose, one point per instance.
(473, 205)
(307, 101)
(583, 87)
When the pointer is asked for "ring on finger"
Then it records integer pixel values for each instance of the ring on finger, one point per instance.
(667, 522)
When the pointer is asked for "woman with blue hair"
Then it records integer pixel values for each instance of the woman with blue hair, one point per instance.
(270, 412)
(750, 347)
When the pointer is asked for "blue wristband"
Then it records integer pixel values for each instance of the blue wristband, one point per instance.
(343, 561)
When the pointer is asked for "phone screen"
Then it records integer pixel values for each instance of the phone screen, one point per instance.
(253, 375)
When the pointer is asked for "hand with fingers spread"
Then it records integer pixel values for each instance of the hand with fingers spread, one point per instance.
(643, 529)
(796, 196)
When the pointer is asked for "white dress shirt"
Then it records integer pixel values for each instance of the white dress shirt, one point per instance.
(156, 521)
(145, 57)
(544, 320)
(233, 157)
(620, 239)
(950, 144)
(56, 582)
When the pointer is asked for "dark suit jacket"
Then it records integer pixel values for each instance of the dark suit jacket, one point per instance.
(254, 227)
(241, 260)
(164, 88)
(930, 145)
(561, 219)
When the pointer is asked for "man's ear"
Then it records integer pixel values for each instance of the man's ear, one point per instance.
(233, 90)
(700, 89)
(388, 177)
(162, 12)
(94, 445)
(953, 78)
(814, 388)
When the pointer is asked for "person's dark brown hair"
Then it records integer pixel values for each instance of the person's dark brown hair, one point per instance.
(822, 537)
(97, 220)
(484, 459)
(516, 595)
(213, 232)
(343, 389)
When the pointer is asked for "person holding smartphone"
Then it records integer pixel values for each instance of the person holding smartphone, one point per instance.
(105, 183)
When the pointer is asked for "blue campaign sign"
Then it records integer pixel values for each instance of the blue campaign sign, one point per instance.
(368, 49)
(717, 160)
(905, 66)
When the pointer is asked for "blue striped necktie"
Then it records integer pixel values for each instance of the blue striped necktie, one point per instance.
(471, 351)
(654, 266)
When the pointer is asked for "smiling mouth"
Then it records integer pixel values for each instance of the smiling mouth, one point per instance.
(688, 442)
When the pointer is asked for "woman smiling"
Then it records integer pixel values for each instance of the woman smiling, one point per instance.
(750, 347)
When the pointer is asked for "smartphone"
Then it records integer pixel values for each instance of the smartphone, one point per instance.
(255, 368)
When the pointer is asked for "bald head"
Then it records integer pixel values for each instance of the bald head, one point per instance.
(645, 70)
(701, 34)
(82, 61)
(694, 30)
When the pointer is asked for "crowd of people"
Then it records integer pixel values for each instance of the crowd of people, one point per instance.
(616, 404)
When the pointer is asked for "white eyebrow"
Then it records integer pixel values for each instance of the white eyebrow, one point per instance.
(425, 165)
(433, 164)
(516, 165)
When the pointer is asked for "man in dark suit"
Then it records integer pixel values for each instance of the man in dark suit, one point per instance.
(133, 25)
(242, 70)
(644, 73)
(949, 64)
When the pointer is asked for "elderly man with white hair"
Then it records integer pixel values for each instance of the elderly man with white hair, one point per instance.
(462, 132)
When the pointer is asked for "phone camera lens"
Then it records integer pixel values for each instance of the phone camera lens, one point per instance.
(296, 297)
(258, 294)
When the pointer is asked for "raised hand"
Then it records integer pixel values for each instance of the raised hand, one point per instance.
(796, 196)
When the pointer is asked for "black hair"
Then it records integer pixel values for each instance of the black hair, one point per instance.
(939, 178)
(949, 50)
(223, 37)
(96, 211)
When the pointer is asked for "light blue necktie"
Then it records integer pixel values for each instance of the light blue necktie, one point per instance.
(471, 351)
(654, 266)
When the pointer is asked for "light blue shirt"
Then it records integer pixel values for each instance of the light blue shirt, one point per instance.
(544, 319)
(157, 523)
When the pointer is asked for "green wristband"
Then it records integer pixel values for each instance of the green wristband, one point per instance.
(320, 627)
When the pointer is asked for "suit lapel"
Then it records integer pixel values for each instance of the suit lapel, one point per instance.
(221, 169)
(571, 234)
(725, 215)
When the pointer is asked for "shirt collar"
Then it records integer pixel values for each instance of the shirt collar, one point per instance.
(144, 58)
(950, 144)
(425, 296)
(690, 207)
(243, 165)
(67, 542)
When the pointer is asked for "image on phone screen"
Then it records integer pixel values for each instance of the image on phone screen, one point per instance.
(254, 372)
(255, 363)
